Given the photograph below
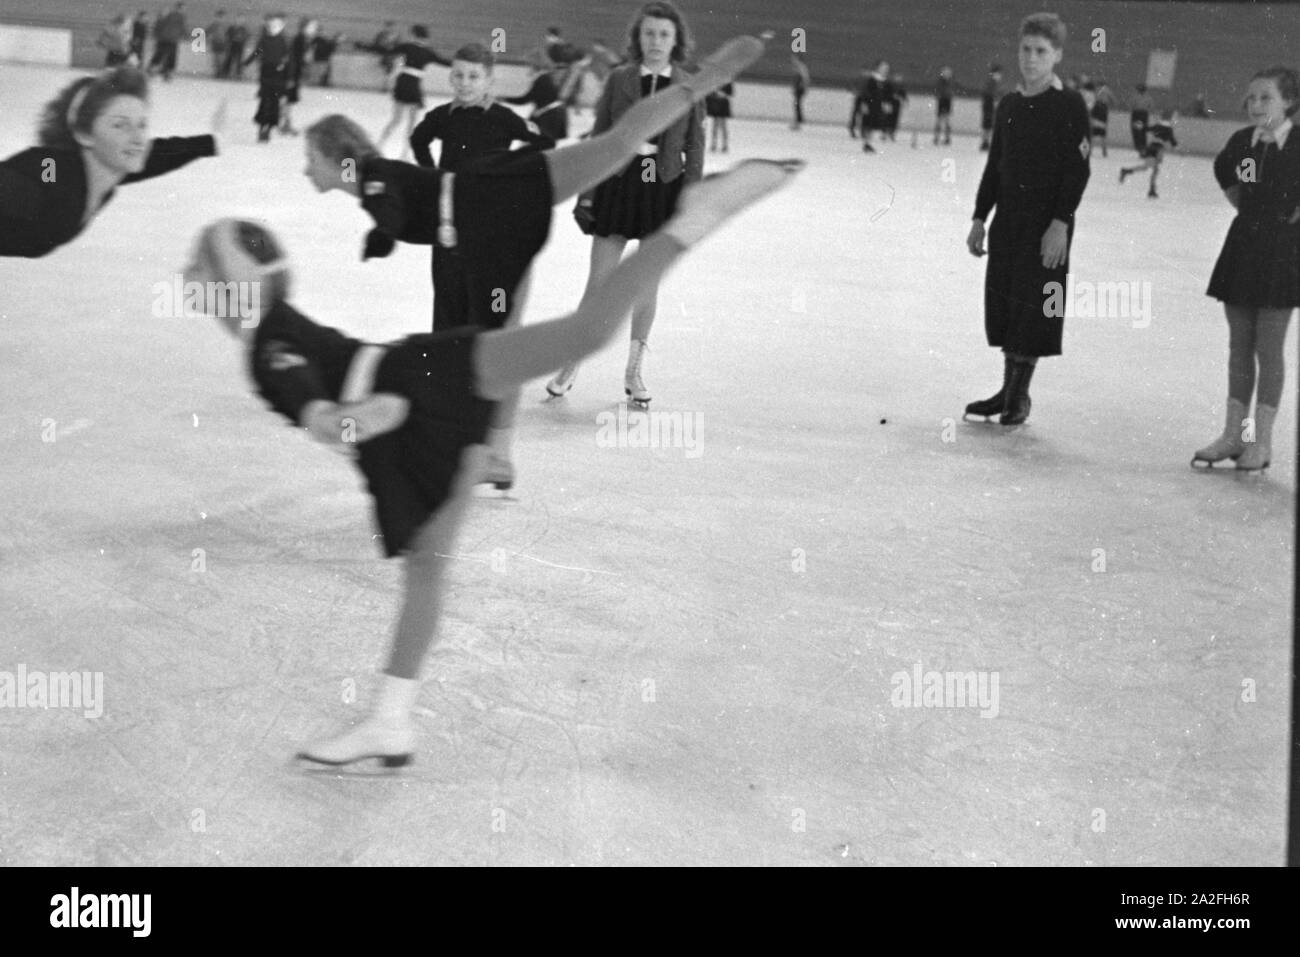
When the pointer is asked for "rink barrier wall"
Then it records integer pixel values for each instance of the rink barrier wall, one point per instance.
(753, 101)
(44, 45)
(1219, 45)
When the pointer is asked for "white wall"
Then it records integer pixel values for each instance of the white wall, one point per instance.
(35, 45)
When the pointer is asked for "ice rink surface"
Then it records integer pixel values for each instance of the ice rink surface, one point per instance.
(652, 655)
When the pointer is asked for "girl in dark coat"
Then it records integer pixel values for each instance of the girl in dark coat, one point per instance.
(1257, 276)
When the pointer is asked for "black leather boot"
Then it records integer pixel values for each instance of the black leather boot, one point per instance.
(1018, 404)
(995, 404)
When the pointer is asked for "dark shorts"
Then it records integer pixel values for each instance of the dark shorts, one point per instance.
(413, 471)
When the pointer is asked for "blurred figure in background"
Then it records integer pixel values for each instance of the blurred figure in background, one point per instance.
(217, 39)
(115, 41)
(1102, 102)
(989, 104)
(802, 81)
(943, 106)
(139, 34)
(895, 97)
(236, 40)
(1139, 117)
(170, 29)
(322, 54)
(873, 104)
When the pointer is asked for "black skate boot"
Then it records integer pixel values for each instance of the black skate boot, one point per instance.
(994, 404)
(1018, 404)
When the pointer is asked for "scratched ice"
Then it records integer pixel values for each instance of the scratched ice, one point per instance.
(650, 656)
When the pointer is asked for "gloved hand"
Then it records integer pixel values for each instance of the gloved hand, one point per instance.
(378, 245)
(585, 217)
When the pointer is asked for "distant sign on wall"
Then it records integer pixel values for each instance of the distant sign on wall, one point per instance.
(1160, 69)
(35, 45)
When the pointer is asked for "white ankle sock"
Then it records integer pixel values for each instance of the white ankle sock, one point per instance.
(396, 699)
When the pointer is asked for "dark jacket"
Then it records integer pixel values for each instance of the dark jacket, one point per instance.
(681, 146)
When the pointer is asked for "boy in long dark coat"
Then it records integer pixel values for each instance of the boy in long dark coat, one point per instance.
(1036, 174)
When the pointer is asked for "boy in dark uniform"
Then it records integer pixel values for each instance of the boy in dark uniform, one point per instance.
(989, 105)
(1036, 174)
(471, 124)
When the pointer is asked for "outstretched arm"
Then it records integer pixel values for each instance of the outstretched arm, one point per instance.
(172, 152)
(22, 211)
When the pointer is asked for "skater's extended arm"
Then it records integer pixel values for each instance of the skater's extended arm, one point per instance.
(172, 152)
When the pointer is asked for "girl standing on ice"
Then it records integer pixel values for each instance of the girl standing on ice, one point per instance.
(634, 203)
(412, 60)
(418, 410)
(1257, 276)
(1035, 176)
(93, 137)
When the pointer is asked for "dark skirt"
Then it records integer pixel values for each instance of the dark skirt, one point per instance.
(408, 91)
(945, 106)
(268, 109)
(717, 106)
(1259, 265)
(1016, 286)
(413, 471)
(625, 205)
(503, 205)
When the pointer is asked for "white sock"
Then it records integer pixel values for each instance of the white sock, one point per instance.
(396, 699)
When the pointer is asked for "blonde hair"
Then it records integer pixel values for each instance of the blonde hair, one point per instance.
(338, 138)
